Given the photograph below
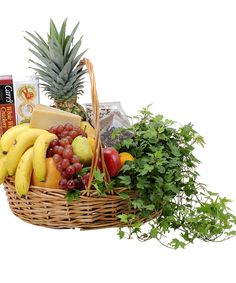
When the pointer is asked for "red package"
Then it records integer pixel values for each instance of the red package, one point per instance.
(7, 104)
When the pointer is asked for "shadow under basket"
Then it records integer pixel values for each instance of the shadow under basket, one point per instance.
(49, 208)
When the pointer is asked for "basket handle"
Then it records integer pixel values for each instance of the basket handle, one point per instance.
(98, 152)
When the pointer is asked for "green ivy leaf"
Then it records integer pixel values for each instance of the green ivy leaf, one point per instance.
(147, 169)
(136, 225)
(137, 203)
(73, 195)
(121, 234)
(125, 180)
(175, 243)
(150, 207)
(127, 143)
(124, 196)
(123, 218)
(154, 232)
(98, 175)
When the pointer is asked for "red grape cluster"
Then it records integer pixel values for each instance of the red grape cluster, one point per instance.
(61, 151)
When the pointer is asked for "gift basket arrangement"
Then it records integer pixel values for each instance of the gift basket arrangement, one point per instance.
(87, 167)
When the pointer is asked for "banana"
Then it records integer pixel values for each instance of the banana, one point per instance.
(22, 142)
(39, 157)
(24, 172)
(3, 169)
(1, 153)
(10, 135)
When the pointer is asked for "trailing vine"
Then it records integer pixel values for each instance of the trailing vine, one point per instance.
(164, 175)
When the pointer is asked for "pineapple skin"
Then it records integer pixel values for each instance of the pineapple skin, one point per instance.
(71, 105)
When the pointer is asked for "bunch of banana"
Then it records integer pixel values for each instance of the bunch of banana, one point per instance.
(39, 154)
(23, 149)
(24, 172)
(1, 153)
(22, 142)
(3, 169)
(7, 139)
(10, 135)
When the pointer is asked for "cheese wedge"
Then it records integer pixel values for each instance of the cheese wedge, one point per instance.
(45, 117)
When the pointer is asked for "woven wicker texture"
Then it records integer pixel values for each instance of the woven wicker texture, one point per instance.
(49, 208)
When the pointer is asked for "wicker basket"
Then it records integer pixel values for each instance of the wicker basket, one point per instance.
(49, 208)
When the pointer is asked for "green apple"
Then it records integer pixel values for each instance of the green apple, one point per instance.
(81, 147)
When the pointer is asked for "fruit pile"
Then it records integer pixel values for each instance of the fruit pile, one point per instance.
(66, 161)
(53, 158)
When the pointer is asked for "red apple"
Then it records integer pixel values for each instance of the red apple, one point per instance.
(99, 164)
(112, 160)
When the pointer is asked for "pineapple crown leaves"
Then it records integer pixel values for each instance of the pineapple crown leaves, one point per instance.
(59, 67)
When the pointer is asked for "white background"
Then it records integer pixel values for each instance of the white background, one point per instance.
(178, 55)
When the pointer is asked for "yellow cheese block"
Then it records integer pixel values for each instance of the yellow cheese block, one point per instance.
(45, 117)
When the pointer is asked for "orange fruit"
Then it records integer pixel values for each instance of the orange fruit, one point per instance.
(124, 156)
(53, 176)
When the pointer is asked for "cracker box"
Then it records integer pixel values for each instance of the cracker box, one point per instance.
(7, 104)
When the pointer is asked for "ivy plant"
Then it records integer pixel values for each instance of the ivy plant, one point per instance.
(170, 205)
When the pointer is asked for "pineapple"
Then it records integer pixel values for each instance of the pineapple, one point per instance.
(59, 68)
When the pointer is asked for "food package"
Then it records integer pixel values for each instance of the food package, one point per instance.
(27, 97)
(7, 104)
(105, 108)
(110, 123)
(112, 117)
